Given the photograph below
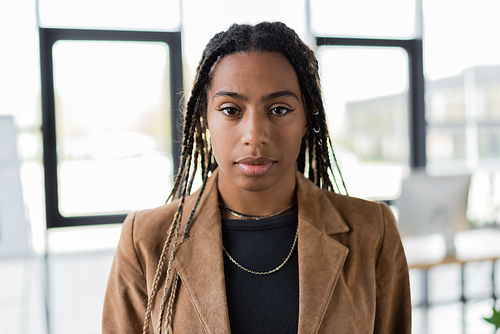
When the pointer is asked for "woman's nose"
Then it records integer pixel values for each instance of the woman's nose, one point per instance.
(255, 131)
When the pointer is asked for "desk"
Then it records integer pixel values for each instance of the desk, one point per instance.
(475, 246)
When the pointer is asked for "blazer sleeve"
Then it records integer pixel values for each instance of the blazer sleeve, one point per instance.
(126, 295)
(393, 308)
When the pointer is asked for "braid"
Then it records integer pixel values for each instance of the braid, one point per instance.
(173, 231)
(314, 156)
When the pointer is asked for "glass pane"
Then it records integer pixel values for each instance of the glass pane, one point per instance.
(110, 14)
(445, 145)
(471, 101)
(365, 92)
(444, 283)
(478, 284)
(445, 318)
(462, 68)
(363, 18)
(113, 126)
(489, 142)
(475, 312)
(488, 96)
(445, 101)
(466, 39)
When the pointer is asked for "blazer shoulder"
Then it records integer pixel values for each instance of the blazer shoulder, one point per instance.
(146, 231)
(360, 214)
(345, 203)
(155, 218)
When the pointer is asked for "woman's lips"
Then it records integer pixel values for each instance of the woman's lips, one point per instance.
(255, 166)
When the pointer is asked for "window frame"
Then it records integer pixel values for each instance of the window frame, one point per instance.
(48, 37)
(416, 119)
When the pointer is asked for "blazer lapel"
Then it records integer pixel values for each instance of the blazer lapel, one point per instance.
(199, 261)
(321, 258)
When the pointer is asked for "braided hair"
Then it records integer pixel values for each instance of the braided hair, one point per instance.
(315, 152)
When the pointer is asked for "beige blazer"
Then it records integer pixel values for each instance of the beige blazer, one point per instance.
(353, 275)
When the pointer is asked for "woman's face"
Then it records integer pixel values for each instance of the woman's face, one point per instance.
(256, 119)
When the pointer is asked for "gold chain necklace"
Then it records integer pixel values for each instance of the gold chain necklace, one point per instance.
(270, 271)
(241, 215)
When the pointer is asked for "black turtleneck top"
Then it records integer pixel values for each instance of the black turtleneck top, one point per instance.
(262, 303)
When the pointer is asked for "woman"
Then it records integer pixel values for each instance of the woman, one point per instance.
(259, 248)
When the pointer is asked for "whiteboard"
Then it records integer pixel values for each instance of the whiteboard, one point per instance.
(14, 230)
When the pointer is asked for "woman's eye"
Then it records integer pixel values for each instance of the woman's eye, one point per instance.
(280, 111)
(229, 111)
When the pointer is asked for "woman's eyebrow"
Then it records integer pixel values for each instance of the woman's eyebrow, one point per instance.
(269, 97)
(230, 94)
(284, 93)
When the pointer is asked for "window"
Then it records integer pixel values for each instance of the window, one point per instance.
(366, 97)
(110, 116)
(462, 85)
(144, 15)
(361, 18)
(378, 81)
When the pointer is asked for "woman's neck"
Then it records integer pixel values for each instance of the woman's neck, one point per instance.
(256, 203)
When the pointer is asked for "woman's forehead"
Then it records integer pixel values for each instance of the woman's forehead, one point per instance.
(255, 71)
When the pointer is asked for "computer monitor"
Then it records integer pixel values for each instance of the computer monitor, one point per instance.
(433, 204)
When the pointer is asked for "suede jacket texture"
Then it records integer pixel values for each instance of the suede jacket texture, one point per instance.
(353, 275)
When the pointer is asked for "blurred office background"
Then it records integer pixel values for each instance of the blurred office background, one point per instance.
(409, 86)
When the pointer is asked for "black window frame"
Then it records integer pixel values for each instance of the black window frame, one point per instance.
(49, 36)
(416, 119)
